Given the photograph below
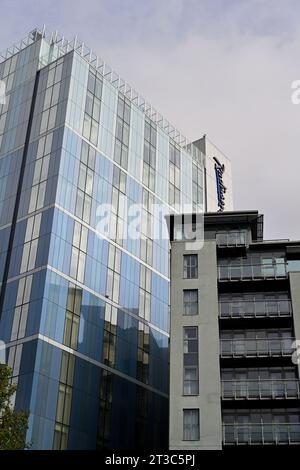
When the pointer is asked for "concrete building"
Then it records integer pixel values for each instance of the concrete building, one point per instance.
(85, 308)
(235, 314)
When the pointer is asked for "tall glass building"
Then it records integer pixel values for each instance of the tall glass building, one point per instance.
(84, 306)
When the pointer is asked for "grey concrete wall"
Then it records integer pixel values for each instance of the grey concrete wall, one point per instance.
(295, 297)
(208, 400)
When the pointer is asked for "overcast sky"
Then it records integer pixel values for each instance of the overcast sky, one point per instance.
(219, 67)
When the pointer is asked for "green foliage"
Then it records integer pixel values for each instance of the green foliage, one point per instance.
(13, 424)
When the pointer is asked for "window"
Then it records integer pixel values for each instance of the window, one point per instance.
(92, 109)
(145, 290)
(72, 319)
(190, 345)
(61, 434)
(174, 176)
(191, 427)
(232, 237)
(175, 155)
(14, 359)
(21, 310)
(197, 188)
(190, 381)
(190, 266)
(64, 401)
(122, 132)
(31, 243)
(190, 302)
(293, 265)
(190, 361)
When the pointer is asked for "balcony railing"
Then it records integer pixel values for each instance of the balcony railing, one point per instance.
(256, 347)
(257, 308)
(261, 434)
(260, 389)
(232, 239)
(252, 271)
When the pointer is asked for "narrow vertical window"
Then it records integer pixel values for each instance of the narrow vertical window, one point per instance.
(190, 302)
(190, 361)
(190, 266)
(191, 425)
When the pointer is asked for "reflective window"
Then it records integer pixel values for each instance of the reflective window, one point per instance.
(122, 132)
(149, 166)
(174, 175)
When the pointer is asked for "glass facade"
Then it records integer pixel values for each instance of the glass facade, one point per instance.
(84, 304)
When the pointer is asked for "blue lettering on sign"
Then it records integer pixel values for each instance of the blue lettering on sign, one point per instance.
(221, 189)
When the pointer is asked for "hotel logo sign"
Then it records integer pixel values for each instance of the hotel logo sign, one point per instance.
(221, 188)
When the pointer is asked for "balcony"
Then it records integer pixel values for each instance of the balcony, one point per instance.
(255, 309)
(252, 272)
(260, 389)
(261, 434)
(256, 347)
(233, 239)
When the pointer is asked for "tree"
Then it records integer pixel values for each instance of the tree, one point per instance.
(13, 424)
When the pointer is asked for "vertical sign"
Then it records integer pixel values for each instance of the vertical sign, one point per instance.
(221, 189)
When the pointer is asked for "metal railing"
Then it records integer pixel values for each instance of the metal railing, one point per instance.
(260, 389)
(231, 239)
(261, 434)
(255, 308)
(252, 271)
(256, 347)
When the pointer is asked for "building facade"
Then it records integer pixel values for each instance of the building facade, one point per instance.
(218, 177)
(235, 317)
(84, 305)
